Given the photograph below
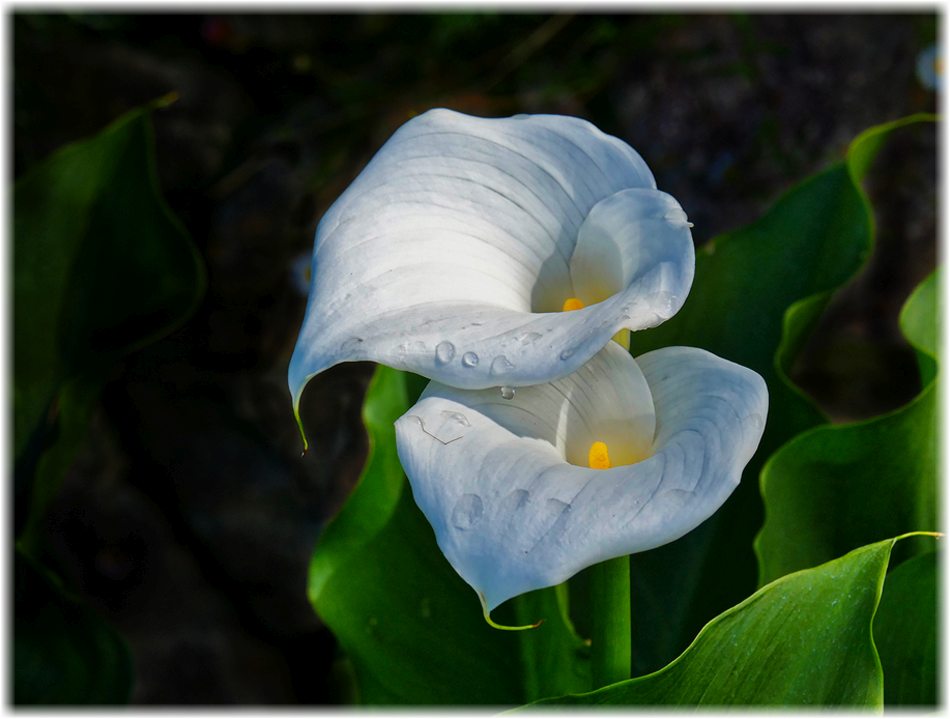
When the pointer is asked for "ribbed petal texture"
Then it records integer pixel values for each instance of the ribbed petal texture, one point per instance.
(451, 254)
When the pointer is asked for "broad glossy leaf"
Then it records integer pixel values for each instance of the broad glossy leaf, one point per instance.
(756, 295)
(838, 487)
(63, 653)
(412, 628)
(919, 321)
(905, 632)
(803, 640)
(100, 267)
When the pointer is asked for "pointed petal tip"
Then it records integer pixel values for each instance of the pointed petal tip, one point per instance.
(486, 613)
(300, 427)
(297, 380)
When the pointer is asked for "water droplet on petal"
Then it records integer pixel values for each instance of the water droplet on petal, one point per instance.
(568, 353)
(507, 392)
(663, 303)
(467, 512)
(516, 501)
(501, 365)
(469, 359)
(529, 337)
(456, 417)
(444, 352)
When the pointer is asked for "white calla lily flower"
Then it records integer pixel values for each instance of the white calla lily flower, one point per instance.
(622, 456)
(456, 251)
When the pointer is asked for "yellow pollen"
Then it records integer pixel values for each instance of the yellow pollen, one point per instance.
(572, 303)
(597, 457)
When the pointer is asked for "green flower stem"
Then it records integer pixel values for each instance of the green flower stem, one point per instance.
(610, 623)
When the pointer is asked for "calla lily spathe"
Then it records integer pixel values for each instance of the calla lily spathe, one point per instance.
(454, 251)
(506, 486)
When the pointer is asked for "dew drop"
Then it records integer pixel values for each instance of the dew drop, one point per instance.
(529, 337)
(467, 512)
(507, 392)
(515, 501)
(501, 365)
(662, 303)
(444, 352)
(568, 353)
(457, 417)
(469, 359)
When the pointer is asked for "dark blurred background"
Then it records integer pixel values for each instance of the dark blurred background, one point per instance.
(188, 517)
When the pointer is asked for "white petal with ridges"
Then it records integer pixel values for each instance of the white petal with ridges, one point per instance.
(512, 515)
(460, 232)
(624, 238)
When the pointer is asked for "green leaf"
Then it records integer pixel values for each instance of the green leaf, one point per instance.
(63, 653)
(757, 294)
(919, 321)
(905, 632)
(554, 659)
(838, 487)
(803, 640)
(100, 268)
(411, 627)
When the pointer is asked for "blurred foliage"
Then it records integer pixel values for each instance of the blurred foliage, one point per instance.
(100, 268)
(64, 654)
